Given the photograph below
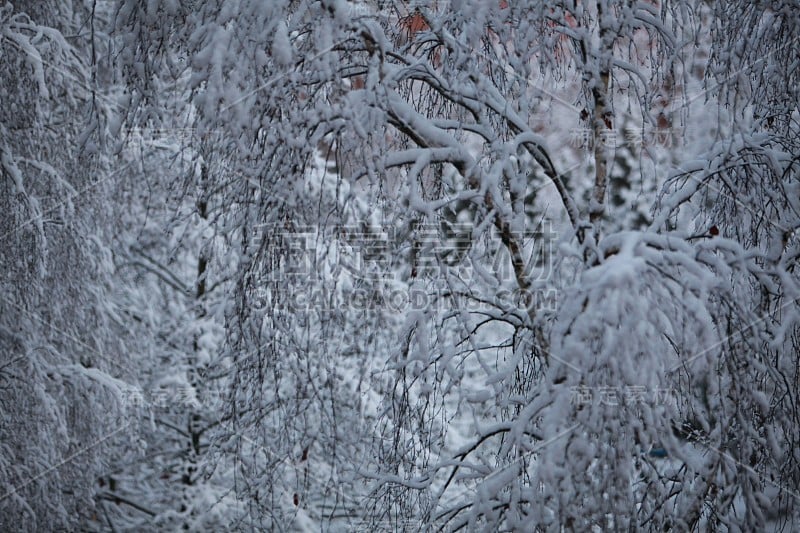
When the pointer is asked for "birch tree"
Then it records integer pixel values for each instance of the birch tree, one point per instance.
(62, 377)
(554, 363)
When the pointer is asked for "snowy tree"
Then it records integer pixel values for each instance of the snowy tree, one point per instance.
(434, 120)
(471, 265)
(62, 369)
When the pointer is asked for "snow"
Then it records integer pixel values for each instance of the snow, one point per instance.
(296, 302)
(281, 46)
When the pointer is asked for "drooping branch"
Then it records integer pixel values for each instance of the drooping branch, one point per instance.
(468, 98)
